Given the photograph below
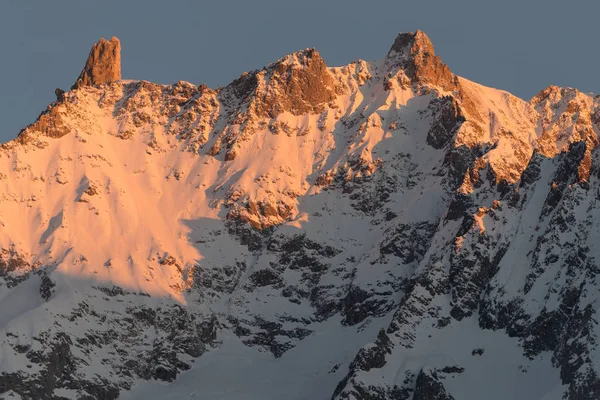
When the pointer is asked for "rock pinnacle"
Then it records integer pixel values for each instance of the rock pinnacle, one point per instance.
(103, 64)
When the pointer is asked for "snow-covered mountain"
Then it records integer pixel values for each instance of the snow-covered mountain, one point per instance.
(381, 230)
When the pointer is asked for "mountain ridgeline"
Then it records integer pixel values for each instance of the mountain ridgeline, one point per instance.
(384, 230)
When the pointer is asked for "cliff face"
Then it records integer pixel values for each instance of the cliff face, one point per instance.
(380, 230)
(103, 64)
(413, 54)
(299, 83)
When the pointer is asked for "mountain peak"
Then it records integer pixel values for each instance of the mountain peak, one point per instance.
(103, 64)
(299, 83)
(414, 54)
(301, 58)
(411, 44)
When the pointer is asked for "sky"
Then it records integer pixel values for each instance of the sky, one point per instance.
(518, 46)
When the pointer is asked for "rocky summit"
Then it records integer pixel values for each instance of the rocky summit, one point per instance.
(103, 64)
(383, 230)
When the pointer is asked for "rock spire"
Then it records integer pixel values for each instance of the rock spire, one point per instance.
(102, 65)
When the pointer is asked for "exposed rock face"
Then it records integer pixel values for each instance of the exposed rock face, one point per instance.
(60, 94)
(413, 53)
(448, 119)
(298, 83)
(50, 123)
(429, 387)
(103, 64)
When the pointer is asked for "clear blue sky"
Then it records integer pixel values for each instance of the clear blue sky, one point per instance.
(520, 46)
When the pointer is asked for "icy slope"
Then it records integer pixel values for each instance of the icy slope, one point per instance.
(382, 230)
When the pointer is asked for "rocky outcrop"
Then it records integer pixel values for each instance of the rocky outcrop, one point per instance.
(429, 387)
(298, 83)
(103, 65)
(448, 117)
(413, 54)
(60, 94)
(50, 123)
